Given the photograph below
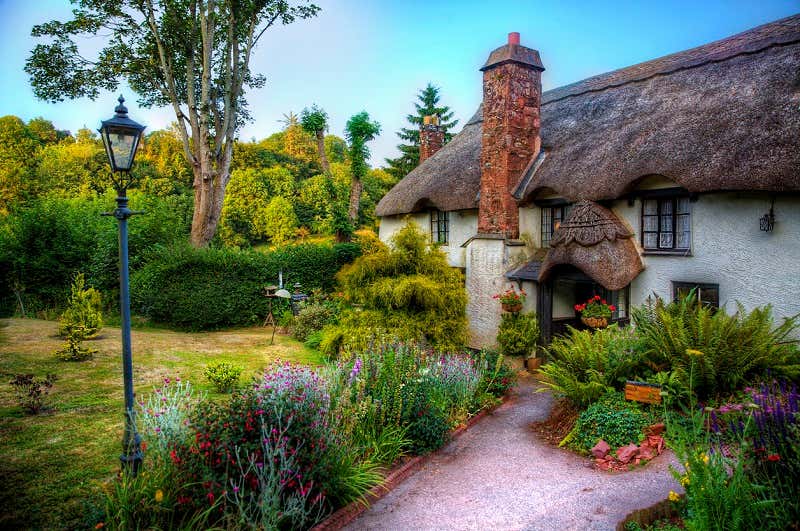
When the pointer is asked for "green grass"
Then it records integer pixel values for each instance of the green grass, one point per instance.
(53, 466)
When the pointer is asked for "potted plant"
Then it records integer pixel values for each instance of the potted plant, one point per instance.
(510, 300)
(595, 312)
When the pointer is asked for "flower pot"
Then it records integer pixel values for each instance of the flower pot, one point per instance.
(533, 364)
(595, 322)
(514, 307)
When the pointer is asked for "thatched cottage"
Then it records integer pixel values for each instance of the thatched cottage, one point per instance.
(677, 173)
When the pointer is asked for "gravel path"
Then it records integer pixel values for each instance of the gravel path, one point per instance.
(499, 475)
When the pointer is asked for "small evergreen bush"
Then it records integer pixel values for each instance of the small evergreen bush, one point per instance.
(83, 316)
(73, 349)
(223, 375)
(518, 334)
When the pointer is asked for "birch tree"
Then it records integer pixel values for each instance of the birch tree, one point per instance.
(190, 55)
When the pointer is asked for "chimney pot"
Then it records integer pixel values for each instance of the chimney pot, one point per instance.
(513, 38)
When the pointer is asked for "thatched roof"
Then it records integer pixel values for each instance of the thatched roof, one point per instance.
(723, 116)
(595, 241)
(449, 180)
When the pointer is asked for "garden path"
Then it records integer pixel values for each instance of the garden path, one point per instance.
(499, 475)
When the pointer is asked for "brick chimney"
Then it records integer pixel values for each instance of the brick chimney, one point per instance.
(431, 137)
(512, 93)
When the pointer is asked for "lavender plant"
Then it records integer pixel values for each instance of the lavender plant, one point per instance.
(165, 413)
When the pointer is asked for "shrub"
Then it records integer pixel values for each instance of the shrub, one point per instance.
(585, 365)
(736, 348)
(289, 400)
(83, 315)
(612, 419)
(200, 289)
(73, 349)
(497, 378)
(311, 318)
(223, 375)
(407, 293)
(165, 414)
(518, 334)
(44, 245)
(32, 392)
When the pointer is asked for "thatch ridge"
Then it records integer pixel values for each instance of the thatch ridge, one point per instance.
(722, 116)
(595, 241)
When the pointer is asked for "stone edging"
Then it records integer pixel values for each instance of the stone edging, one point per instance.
(396, 476)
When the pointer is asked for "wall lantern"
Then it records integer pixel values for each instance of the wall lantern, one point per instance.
(767, 221)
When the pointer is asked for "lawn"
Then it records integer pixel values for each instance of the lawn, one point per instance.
(54, 465)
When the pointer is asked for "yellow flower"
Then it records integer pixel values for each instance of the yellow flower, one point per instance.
(673, 496)
(705, 458)
(693, 352)
(684, 481)
(159, 495)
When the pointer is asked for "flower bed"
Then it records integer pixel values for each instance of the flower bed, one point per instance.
(297, 444)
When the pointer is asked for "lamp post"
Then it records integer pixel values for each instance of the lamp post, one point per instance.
(121, 137)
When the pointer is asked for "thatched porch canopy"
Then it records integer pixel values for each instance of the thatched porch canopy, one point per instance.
(595, 241)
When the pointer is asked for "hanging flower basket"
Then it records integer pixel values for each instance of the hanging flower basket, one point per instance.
(510, 300)
(595, 322)
(512, 307)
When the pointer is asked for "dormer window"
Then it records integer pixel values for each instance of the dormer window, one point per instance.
(440, 227)
(552, 216)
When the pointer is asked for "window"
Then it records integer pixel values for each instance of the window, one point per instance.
(708, 294)
(552, 216)
(440, 227)
(666, 225)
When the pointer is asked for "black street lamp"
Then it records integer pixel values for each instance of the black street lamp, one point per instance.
(121, 138)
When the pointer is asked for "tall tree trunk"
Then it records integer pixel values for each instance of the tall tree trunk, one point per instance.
(323, 157)
(210, 180)
(355, 199)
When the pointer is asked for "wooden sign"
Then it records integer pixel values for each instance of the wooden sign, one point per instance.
(643, 392)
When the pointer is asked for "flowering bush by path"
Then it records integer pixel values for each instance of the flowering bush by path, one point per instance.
(297, 443)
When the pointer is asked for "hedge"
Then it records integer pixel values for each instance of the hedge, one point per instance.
(201, 289)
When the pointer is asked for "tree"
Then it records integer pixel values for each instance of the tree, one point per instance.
(409, 151)
(406, 292)
(192, 55)
(358, 131)
(315, 121)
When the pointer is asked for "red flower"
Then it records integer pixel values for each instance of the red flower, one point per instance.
(612, 308)
(577, 307)
(603, 301)
(597, 297)
(773, 457)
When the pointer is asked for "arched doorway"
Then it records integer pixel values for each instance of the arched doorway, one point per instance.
(567, 286)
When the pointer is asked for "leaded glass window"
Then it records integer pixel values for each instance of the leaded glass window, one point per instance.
(666, 224)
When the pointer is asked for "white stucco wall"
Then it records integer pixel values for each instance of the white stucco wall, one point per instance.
(463, 226)
(750, 266)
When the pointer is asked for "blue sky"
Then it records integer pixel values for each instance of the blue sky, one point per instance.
(375, 55)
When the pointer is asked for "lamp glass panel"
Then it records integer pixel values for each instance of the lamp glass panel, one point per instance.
(123, 146)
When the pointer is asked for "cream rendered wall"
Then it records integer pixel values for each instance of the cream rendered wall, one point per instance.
(463, 226)
(750, 266)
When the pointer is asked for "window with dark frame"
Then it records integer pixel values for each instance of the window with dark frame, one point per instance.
(707, 294)
(552, 216)
(440, 227)
(666, 224)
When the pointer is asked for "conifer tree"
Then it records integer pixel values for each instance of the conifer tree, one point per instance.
(409, 151)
